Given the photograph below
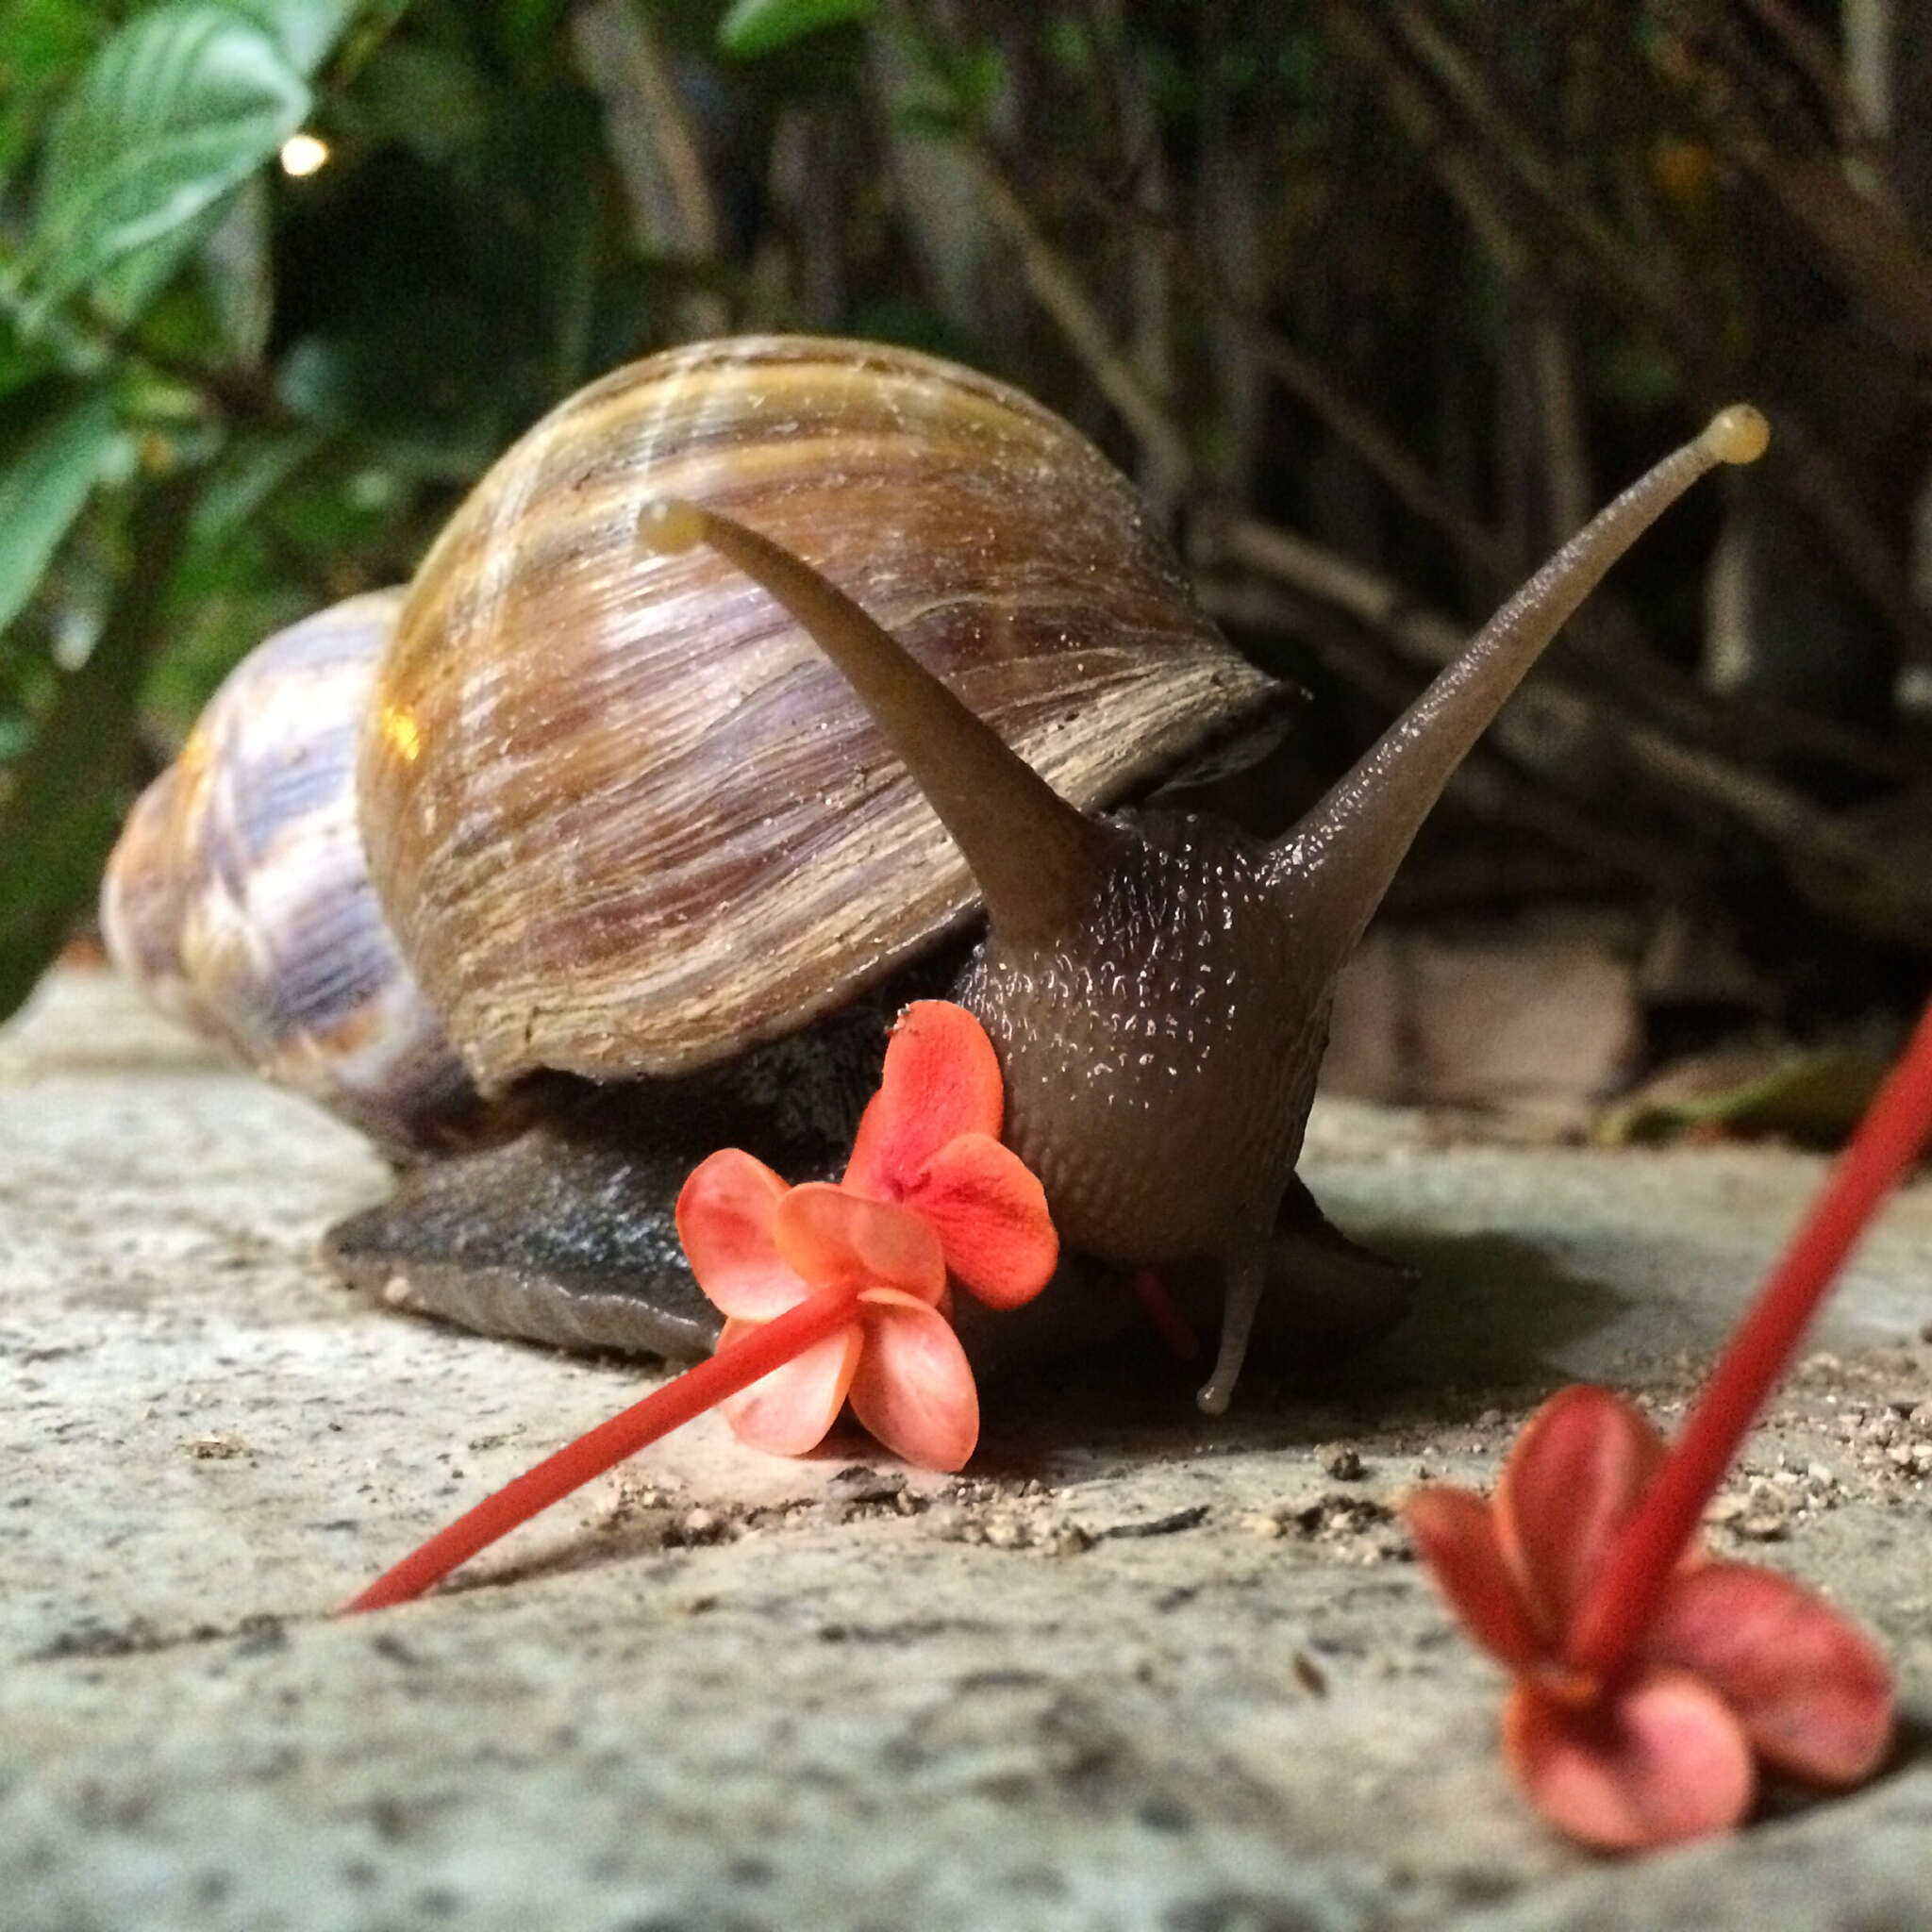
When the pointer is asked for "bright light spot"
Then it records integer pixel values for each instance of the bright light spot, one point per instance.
(302, 153)
(401, 730)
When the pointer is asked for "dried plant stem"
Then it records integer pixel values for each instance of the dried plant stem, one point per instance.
(1814, 55)
(1802, 466)
(1566, 717)
(1057, 290)
(1310, 385)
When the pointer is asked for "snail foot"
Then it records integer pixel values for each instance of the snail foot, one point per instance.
(556, 1237)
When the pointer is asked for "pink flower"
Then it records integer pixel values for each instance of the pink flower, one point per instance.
(760, 1248)
(1736, 1666)
(929, 1192)
(1651, 1682)
(830, 1293)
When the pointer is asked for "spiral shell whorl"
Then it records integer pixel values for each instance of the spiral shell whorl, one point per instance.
(623, 815)
(238, 901)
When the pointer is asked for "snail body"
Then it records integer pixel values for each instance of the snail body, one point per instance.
(648, 859)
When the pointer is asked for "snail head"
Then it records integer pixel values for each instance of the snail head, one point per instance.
(1158, 985)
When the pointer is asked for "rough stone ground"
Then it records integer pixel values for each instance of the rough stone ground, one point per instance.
(1136, 1670)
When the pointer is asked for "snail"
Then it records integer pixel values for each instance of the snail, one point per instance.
(658, 875)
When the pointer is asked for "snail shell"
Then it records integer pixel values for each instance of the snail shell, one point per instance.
(622, 814)
(237, 898)
(625, 820)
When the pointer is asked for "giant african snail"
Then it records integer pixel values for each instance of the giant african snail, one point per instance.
(1158, 985)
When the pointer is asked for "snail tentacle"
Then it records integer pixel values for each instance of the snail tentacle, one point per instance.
(1038, 862)
(1342, 856)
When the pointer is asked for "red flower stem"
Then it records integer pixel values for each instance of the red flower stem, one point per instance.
(1645, 1557)
(765, 1348)
(1164, 1315)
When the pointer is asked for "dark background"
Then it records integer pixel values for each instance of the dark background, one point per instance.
(1375, 301)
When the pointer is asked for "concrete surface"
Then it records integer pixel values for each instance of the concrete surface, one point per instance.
(1134, 1671)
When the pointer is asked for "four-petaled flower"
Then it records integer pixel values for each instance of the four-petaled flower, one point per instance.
(1735, 1665)
(930, 1193)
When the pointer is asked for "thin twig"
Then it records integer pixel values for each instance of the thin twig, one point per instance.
(1057, 290)
(1812, 54)
(1801, 464)
(650, 140)
(1559, 720)
(1356, 29)
(1519, 149)
(1559, 410)
(1310, 385)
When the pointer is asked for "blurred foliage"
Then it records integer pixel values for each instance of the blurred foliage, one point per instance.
(1409, 284)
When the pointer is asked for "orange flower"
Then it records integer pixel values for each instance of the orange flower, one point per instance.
(830, 1293)
(928, 1193)
(1650, 1682)
(760, 1248)
(930, 1139)
(1735, 1664)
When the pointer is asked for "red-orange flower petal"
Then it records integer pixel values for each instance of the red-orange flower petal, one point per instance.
(790, 1411)
(990, 1213)
(1454, 1530)
(942, 1080)
(725, 1215)
(913, 1389)
(828, 1235)
(1663, 1760)
(1809, 1687)
(1570, 1484)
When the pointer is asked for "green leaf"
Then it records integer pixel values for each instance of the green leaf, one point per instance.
(22, 363)
(62, 807)
(237, 268)
(180, 107)
(43, 488)
(1814, 1096)
(763, 27)
(47, 42)
(123, 292)
(306, 30)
